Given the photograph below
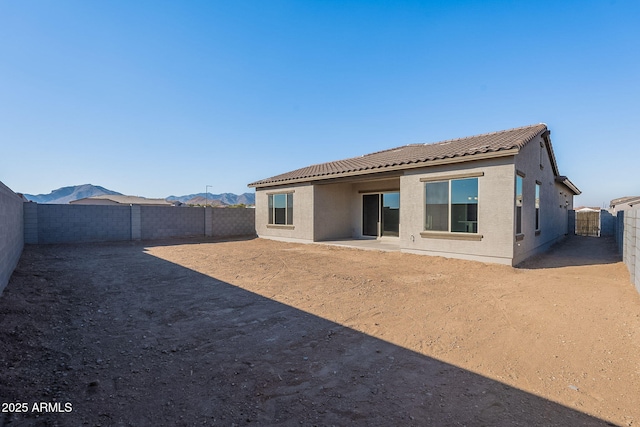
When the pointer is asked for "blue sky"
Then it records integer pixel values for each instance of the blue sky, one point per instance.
(158, 98)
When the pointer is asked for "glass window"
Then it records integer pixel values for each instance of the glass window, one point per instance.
(519, 181)
(289, 208)
(391, 214)
(452, 206)
(537, 207)
(464, 205)
(437, 218)
(281, 208)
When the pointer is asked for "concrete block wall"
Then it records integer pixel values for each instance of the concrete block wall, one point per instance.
(11, 233)
(136, 223)
(160, 222)
(636, 274)
(103, 223)
(30, 218)
(631, 245)
(607, 223)
(619, 230)
(571, 222)
(233, 222)
(78, 223)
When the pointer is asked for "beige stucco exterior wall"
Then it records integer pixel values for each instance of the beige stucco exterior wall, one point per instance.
(555, 201)
(338, 207)
(327, 211)
(321, 211)
(495, 212)
(332, 211)
(369, 187)
(303, 207)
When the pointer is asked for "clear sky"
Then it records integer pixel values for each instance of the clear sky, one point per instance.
(158, 98)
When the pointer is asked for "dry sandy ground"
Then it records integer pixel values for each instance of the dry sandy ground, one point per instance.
(256, 332)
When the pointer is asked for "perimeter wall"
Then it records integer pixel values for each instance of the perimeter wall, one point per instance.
(11, 233)
(630, 243)
(101, 223)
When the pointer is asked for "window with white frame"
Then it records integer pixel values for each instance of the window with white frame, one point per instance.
(452, 205)
(281, 209)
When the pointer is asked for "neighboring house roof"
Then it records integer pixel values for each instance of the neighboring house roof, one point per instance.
(127, 200)
(629, 200)
(488, 145)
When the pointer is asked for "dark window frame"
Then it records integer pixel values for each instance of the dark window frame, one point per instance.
(537, 206)
(519, 202)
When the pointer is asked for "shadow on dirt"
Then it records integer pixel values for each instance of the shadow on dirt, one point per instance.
(576, 251)
(130, 339)
(194, 240)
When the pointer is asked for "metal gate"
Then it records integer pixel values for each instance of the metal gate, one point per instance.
(588, 223)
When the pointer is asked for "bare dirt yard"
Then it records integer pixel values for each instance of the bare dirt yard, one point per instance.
(257, 332)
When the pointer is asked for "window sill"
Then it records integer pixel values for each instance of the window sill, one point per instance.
(519, 237)
(451, 236)
(281, 226)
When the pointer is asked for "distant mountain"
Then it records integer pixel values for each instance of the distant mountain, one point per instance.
(67, 194)
(202, 201)
(216, 199)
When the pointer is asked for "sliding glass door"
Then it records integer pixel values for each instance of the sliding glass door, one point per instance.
(391, 214)
(370, 214)
(381, 214)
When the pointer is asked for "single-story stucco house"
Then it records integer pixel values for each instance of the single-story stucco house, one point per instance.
(496, 197)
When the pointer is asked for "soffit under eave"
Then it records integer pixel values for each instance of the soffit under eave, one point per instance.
(570, 185)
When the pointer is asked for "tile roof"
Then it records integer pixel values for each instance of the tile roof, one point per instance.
(410, 156)
(631, 200)
(129, 200)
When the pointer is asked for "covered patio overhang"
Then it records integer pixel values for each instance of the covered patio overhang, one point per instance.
(366, 207)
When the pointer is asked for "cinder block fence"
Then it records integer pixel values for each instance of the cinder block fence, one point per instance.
(99, 223)
(11, 233)
(631, 244)
(26, 222)
(627, 234)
